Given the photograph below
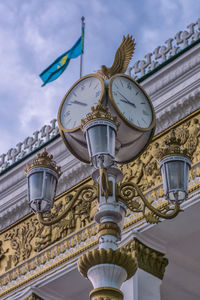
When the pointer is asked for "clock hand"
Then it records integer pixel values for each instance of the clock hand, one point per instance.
(127, 101)
(79, 103)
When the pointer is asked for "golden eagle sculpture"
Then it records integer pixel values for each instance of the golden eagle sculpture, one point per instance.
(122, 58)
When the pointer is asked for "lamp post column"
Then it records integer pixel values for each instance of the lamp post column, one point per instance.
(108, 266)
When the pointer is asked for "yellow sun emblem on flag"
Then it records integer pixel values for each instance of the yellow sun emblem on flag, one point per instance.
(62, 62)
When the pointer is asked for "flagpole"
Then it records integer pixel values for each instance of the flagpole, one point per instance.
(82, 44)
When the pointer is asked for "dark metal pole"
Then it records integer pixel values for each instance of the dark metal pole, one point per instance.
(82, 45)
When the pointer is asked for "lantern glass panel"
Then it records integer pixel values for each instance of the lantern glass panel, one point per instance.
(112, 136)
(175, 172)
(98, 139)
(35, 185)
(42, 183)
(100, 136)
(50, 190)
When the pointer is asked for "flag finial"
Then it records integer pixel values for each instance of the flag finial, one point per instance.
(83, 19)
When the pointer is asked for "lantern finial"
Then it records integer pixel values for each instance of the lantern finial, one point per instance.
(43, 160)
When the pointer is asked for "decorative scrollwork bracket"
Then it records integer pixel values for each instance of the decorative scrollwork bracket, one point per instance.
(132, 196)
(86, 193)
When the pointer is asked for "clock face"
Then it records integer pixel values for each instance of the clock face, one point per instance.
(131, 101)
(77, 103)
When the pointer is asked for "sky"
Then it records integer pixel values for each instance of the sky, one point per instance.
(34, 33)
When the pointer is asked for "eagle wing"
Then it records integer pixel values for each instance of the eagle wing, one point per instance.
(123, 56)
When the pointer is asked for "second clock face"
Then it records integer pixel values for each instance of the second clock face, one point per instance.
(77, 103)
(131, 101)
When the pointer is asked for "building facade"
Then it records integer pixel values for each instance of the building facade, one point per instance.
(40, 262)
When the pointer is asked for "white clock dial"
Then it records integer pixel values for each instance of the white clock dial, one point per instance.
(132, 102)
(78, 101)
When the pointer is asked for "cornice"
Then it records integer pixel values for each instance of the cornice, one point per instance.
(13, 212)
(176, 72)
(34, 293)
(73, 173)
(175, 111)
(174, 90)
(165, 54)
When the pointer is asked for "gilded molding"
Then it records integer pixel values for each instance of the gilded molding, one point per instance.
(46, 262)
(148, 259)
(2, 251)
(106, 293)
(109, 228)
(102, 256)
(30, 237)
(99, 113)
(177, 142)
(43, 160)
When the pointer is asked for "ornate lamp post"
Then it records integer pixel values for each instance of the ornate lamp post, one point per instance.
(118, 129)
(108, 266)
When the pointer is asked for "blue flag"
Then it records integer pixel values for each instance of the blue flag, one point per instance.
(61, 63)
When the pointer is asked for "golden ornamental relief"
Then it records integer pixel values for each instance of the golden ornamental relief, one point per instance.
(101, 256)
(20, 240)
(145, 170)
(29, 237)
(54, 256)
(2, 252)
(79, 216)
(47, 235)
(106, 293)
(33, 296)
(148, 259)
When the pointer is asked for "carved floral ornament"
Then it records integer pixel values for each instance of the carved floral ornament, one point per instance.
(102, 256)
(29, 237)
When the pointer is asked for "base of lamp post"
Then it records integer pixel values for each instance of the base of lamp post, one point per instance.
(106, 293)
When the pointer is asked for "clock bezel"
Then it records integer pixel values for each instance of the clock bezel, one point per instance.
(101, 97)
(112, 99)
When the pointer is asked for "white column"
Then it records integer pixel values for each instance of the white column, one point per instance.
(146, 283)
(142, 286)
